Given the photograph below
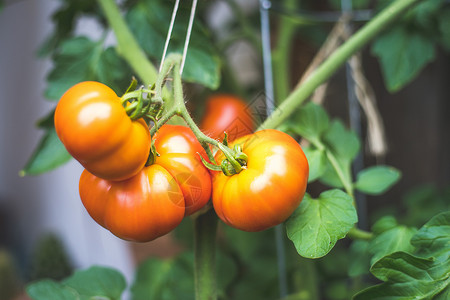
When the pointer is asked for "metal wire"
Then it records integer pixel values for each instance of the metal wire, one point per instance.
(265, 5)
(169, 33)
(188, 33)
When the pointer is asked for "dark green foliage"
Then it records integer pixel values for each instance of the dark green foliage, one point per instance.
(50, 259)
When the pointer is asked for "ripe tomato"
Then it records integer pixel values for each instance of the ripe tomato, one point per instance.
(154, 201)
(268, 190)
(227, 113)
(141, 208)
(95, 129)
(179, 154)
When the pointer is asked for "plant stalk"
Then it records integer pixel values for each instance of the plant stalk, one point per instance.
(127, 45)
(358, 234)
(205, 227)
(336, 60)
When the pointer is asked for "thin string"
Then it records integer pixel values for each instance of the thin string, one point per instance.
(188, 35)
(169, 33)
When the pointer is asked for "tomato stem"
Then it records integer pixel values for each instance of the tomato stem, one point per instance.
(335, 61)
(205, 227)
(358, 234)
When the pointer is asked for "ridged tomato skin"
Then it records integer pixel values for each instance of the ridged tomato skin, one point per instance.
(225, 112)
(271, 186)
(140, 209)
(93, 126)
(180, 152)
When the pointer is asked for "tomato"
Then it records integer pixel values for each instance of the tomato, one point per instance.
(154, 201)
(141, 208)
(179, 154)
(227, 113)
(271, 186)
(95, 129)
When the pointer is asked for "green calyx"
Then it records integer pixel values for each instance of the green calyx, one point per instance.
(234, 163)
(141, 103)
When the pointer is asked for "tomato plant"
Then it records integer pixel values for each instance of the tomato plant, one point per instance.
(96, 130)
(227, 113)
(258, 180)
(269, 188)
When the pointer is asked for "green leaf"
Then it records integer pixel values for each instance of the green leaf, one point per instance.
(392, 240)
(317, 162)
(384, 224)
(164, 279)
(64, 20)
(80, 59)
(174, 278)
(149, 21)
(318, 224)
(49, 154)
(311, 121)
(433, 239)
(50, 290)
(93, 283)
(342, 142)
(407, 277)
(377, 180)
(403, 54)
(97, 282)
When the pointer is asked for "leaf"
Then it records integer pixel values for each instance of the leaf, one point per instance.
(97, 282)
(433, 239)
(80, 59)
(317, 162)
(164, 279)
(407, 277)
(64, 20)
(149, 21)
(403, 54)
(317, 224)
(342, 142)
(93, 283)
(50, 290)
(392, 240)
(174, 278)
(49, 154)
(384, 224)
(311, 121)
(376, 180)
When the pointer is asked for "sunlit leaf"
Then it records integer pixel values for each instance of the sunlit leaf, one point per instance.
(318, 224)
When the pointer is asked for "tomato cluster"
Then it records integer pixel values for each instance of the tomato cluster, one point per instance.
(140, 199)
(134, 201)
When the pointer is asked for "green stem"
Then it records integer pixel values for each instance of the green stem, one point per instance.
(205, 227)
(358, 234)
(127, 46)
(334, 162)
(336, 60)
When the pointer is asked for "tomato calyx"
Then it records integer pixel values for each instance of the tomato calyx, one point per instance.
(234, 163)
(142, 103)
(152, 155)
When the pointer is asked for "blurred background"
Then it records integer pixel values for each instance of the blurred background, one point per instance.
(43, 214)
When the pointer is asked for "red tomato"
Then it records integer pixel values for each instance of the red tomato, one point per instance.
(95, 129)
(271, 186)
(179, 154)
(227, 113)
(154, 201)
(141, 208)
